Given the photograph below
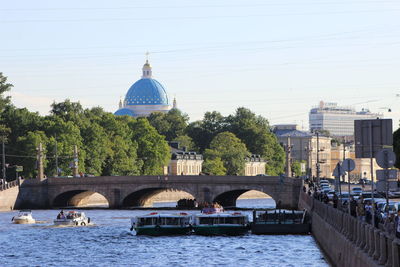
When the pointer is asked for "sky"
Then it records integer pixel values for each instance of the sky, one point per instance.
(278, 58)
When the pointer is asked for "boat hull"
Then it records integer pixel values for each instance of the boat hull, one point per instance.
(280, 229)
(159, 230)
(70, 223)
(221, 230)
(23, 221)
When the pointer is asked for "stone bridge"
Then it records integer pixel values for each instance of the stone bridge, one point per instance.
(134, 191)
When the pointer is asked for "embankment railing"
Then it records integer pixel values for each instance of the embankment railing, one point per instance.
(380, 245)
(8, 185)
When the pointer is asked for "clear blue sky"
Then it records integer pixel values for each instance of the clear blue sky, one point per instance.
(278, 58)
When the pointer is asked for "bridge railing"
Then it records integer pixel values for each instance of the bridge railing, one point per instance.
(8, 185)
(382, 246)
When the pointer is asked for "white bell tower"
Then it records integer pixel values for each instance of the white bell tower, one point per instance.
(147, 73)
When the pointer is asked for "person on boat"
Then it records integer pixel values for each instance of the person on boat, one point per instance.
(61, 215)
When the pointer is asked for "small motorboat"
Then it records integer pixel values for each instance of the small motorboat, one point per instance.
(23, 217)
(156, 224)
(220, 223)
(73, 218)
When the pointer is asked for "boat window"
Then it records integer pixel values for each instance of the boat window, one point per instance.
(234, 220)
(219, 220)
(155, 221)
(145, 221)
(205, 220)
(172, 221)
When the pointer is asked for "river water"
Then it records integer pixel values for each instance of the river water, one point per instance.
(109, 242)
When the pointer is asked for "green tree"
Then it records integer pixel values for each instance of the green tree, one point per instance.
(153, 150)
(171, 124)
(202, 132)
(255, 132)
(230, 150)
(121, 150)
(185, 141)
(97, 145)
(20, 121)
(214, 166)
(29, 144)
(69, 111)
(4, 87)
(67, 135)
(296, 167)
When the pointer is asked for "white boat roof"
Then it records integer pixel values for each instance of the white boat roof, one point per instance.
(164, 215)
(221, 214)
(285, 211)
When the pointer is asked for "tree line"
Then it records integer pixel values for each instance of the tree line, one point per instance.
(107, 144)
(122, 145)
(224, 141)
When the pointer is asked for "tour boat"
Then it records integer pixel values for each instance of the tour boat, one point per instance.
(73, 218)
(156, 224)
(275, 222)
(23, 217)
(221, 223)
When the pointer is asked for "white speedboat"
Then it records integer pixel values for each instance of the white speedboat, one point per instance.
(23, 217)
(72, 218)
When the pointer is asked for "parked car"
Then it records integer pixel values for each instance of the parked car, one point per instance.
(376, 200)
(345, 196)
(369, 195)
(330, 194)
(326, 190)
(356, 191)
(364, 181)
(393, 208)
(381, 204)
(323, 187)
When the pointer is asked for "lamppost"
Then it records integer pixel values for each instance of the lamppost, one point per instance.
(318, 166)
(308, 150)
(3, 151)
(288, 149)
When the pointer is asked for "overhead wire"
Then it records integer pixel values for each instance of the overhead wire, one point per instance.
(230, 5)
(254, 16)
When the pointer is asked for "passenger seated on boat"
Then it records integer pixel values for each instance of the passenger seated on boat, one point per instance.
(61, 215)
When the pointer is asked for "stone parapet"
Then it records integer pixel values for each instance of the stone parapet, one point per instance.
(8, 198)
(347, 241)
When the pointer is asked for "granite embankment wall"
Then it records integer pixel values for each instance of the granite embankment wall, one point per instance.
(8, 196)
(347, 241)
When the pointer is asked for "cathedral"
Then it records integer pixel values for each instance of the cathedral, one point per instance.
(145, 96)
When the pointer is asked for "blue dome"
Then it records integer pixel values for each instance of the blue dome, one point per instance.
(146, 92)
(125, 111)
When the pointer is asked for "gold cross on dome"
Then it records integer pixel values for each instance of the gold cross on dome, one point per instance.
(147, 55)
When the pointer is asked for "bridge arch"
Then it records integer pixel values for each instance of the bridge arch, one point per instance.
(228, 198)
(79, 198)
(143, 197)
